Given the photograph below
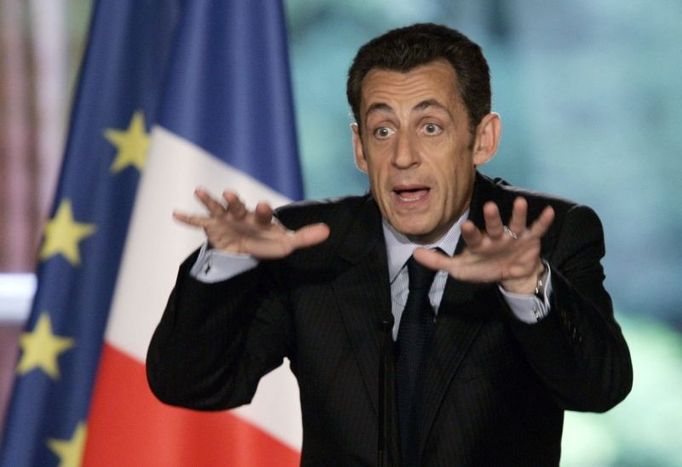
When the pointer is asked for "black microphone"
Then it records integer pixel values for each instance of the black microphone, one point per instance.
(386, 345)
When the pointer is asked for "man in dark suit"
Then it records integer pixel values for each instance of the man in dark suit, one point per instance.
(519, 327)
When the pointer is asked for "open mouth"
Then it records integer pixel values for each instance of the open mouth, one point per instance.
(411, 194)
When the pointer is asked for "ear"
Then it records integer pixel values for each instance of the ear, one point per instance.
(360, 160)
(487, 139)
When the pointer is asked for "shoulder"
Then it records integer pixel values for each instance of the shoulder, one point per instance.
(330, 211)
(576, 227)
(504, 194)
(354, 223)
(574, 223)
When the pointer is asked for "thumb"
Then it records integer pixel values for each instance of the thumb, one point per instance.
(310, 235)
(432, 259)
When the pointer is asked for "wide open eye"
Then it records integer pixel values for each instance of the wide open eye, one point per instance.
(383, 132)
(432, 129)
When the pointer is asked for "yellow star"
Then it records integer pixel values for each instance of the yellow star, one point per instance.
(132, 144)
(41, 348)
(63, 233)
(70, 451)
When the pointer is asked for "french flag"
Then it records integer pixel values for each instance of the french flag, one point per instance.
(173, 95)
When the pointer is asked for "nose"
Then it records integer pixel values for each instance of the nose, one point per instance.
(406, 154)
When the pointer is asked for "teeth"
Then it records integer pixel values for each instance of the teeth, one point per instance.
(409, 196)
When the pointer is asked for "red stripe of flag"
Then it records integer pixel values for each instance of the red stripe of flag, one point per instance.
(128, 426)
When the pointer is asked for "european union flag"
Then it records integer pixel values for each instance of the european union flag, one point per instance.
(211, 79)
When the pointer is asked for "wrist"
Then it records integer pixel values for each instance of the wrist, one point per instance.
(533, 284)
(541, 280)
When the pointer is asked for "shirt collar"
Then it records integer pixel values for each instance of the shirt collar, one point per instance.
(399, 248)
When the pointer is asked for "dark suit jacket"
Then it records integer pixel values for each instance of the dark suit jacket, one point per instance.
(495, 388)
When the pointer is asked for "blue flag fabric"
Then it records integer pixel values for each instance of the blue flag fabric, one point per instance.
(140, 57)
(235, 55)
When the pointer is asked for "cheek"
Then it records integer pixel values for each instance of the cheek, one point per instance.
(453, 175)
(377, 165)
(376, 180)
(380, 152)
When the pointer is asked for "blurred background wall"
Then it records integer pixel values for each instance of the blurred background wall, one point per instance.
(592, 110)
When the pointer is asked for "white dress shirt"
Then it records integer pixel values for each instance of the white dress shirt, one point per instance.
(527, 308)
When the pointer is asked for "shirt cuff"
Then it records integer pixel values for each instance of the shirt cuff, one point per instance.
(216, 265)
(530, 308)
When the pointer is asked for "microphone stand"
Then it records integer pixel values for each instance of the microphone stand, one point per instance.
(385, 347)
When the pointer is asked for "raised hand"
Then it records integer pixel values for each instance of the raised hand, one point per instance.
(230, 226)
(508, 255)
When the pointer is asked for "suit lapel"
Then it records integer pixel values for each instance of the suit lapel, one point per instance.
(459, 322)
(363, 293)
(456, 329)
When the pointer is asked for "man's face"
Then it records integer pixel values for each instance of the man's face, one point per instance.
(416, 148)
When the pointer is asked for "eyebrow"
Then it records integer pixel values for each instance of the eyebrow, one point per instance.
(378, 107)
(423, 105)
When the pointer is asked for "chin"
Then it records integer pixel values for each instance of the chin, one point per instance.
(413, 231)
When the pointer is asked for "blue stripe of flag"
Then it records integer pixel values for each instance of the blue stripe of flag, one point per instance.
(229, 89)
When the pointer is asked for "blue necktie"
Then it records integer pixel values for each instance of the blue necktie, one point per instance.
(413, 344)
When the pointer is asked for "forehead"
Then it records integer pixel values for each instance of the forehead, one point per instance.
(435, 80)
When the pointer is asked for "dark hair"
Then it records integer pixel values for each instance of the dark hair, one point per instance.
(405, 48)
